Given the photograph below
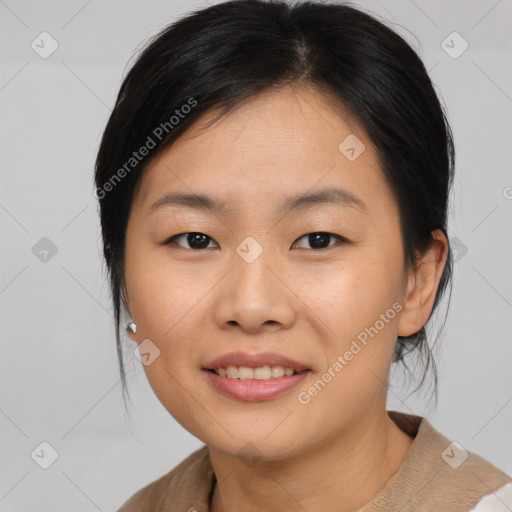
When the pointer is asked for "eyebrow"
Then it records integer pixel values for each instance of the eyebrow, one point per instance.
(338, 196)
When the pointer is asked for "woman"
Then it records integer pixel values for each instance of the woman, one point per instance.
(273, 184)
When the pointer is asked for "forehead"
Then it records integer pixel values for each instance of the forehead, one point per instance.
(279, 143)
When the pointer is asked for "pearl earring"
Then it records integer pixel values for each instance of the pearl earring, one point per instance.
(132, 327)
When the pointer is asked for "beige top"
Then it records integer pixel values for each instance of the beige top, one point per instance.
(435, 475)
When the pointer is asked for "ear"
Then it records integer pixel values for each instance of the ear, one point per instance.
(422, 286)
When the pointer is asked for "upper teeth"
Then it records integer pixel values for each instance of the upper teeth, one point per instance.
(261, 373)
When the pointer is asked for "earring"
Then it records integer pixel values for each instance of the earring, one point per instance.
(132, 327)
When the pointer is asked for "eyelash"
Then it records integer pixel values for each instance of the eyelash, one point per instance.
(172, 239)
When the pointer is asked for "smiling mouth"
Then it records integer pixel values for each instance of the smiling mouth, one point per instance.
(265, 372)
(255, 384)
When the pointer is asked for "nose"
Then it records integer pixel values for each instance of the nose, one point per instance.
(255, 295)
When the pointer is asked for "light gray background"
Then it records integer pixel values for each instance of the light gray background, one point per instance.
(59, 373)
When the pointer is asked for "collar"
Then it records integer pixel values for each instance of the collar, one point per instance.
(426, 480)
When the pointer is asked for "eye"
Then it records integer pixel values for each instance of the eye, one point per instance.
(194, 239)
(320, 239)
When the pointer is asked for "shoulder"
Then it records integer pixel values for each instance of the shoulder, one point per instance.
(459, 479)
(440, 474)
(180, 483)
(486, 487)
(499, 501)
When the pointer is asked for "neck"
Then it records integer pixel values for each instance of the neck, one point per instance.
(341, 474)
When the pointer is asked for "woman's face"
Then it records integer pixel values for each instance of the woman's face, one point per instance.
(255, 282)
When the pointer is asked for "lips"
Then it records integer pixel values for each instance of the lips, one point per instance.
(254, 361)
(252, 390)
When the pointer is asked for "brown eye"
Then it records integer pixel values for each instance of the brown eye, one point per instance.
(320, 240)
(195, 240)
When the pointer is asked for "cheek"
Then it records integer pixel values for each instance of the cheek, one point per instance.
(352, 296)
(160, 293)
(358, 307)
(358, 337)
(167, 306)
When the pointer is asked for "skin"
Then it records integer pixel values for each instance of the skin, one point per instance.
(340, 449)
